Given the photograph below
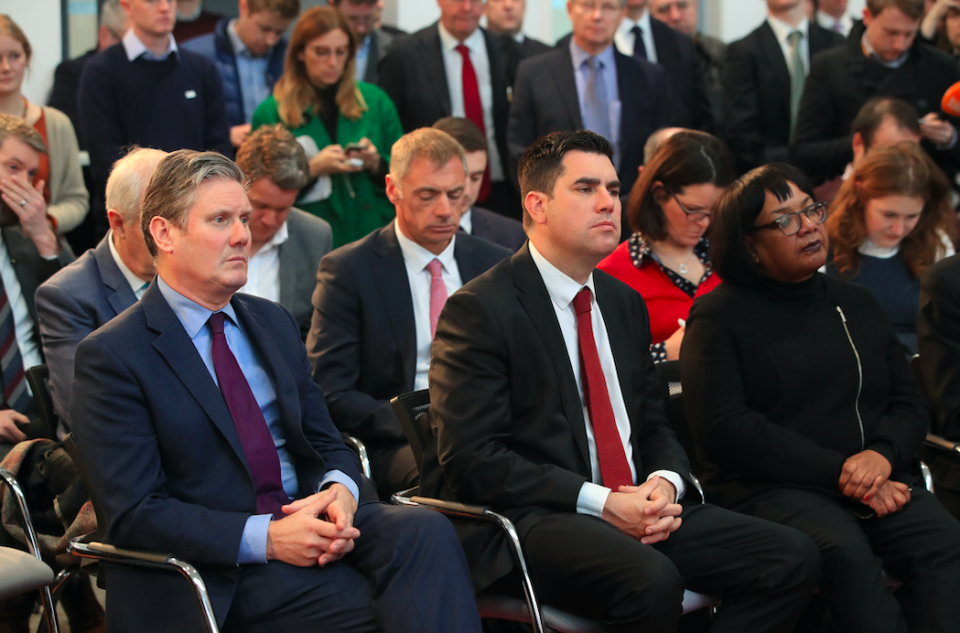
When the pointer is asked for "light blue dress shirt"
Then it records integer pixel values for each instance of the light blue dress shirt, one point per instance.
(581, 73)
(363, 55)
(251, 71)
(194, 317)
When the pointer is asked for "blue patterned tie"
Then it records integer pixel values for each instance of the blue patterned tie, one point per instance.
(15, 393)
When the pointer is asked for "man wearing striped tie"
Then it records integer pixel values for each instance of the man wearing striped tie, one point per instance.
(30, 252)
(377, 300)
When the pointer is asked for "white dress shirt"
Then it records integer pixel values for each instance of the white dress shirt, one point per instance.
(453, 64)
(466, 221)
(22, 322)
(134, 48)
(625, 40)
(416, 258)
(263, 271)
(782, 31)
(138, 285)
(827, 21)
(562, 290)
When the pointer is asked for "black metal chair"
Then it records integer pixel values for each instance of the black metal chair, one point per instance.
(412, 411)
(38, 378)
(23, 572)
(932, 441)
(91, 547)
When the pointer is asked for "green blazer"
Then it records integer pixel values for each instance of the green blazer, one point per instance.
(356, 206)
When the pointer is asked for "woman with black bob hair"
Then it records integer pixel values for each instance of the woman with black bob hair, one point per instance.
(805, 412)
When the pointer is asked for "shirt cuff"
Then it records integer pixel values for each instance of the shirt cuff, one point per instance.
(253, 541)
(339, 477)
(591, 499)
(673, 478)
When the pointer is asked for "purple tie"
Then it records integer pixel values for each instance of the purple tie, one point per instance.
(258, 446)
(438, 293)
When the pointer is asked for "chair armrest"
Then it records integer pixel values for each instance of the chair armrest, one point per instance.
(452, 507)
(941, 443)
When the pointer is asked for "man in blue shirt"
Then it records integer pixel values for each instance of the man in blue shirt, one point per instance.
(373, 42)
(248, 52)
(206, 437)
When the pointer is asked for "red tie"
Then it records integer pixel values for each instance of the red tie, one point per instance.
(473, 108)
(614, 469)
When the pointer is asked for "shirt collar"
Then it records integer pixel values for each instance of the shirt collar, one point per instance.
(870, 249)
(644, 23)
(561, 288)
(135, 282)
(782, 30)
(449, 43)
(239, 48)
(192, 315)
(580, 56)
(135, 48)
(827, 21)
(281, 236)
(418, 257)
(872, 54)
(466, 220)
(519, 37)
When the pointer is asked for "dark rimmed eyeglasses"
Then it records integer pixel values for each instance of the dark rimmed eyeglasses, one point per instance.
(790, 223)
(693, 216)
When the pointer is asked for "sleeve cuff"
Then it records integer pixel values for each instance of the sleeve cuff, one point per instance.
(951, 144)
(673, 478)
(888, 451)
(339, 477)
(253, 541)
(591, 499)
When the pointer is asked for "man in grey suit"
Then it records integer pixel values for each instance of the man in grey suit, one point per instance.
(287, 243)
(373, 42)
(103, 282)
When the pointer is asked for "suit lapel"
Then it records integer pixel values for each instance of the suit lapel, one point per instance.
(567, 87)
(431, 59)
(536, 302)
(772, 55)
(176, 348)
(122, 296)
(667, 52)
(624, 355)
(373, 57)
(394, 287)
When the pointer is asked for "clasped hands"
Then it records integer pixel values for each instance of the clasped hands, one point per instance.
(317, 530)
(648, 513)
(865, 478)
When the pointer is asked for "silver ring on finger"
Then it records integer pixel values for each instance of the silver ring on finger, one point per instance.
(23, 203)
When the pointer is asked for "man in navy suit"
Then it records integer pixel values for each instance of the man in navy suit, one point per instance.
(206, 437)
(372, 328)
(493, 227)
(103, 282)
(559, 91)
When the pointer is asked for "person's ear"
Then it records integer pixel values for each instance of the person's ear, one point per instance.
(536, 205)
(164, 234)
(116, 223)
(394, 195)
(859, 147)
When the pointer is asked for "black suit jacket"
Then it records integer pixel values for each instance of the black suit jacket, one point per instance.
(362, 342)
(506, 410)
(843, 79)
(530, 47)
(414, 77)
(380, 43)
(165, 456)
(677, 54)
(497, 228)
(756, 87)
(66, 85)
(545, 100)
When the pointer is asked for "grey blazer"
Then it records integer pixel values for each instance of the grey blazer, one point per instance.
(310, 239)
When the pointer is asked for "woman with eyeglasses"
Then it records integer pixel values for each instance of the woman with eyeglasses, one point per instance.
(891, 221)
(805, 412)
(670, 208)
(346, 127)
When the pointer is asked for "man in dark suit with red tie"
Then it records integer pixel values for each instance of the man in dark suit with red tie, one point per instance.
(545, 404)
(206, 437)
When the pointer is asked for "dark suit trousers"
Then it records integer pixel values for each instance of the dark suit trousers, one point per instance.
(766, 574)
(920, 545)
(406, 574)
(393, 467)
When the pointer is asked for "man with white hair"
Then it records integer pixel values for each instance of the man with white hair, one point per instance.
(103, 282)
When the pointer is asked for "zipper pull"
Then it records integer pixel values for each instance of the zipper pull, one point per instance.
(842, 317)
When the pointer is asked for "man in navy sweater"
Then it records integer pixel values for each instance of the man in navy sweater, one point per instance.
(144, 91)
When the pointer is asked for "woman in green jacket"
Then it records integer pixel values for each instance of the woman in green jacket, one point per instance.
(346, 127)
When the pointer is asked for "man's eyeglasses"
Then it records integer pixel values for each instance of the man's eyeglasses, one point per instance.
(790, 223)
(693, 216)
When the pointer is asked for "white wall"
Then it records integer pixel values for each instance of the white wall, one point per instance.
(40, 21)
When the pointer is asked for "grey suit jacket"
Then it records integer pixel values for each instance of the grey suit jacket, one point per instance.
(70, 305)
(310, 238)
(380, 43)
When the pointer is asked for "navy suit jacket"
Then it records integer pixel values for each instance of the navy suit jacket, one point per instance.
(497, 228)
(72, 304)
(164, 455)
(363, 341)
(545, 100)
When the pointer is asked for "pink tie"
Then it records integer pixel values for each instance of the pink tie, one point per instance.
(438, 293)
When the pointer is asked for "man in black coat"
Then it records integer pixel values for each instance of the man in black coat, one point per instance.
(505, 17)
(757, 87)
(880, 58)
(545, 405)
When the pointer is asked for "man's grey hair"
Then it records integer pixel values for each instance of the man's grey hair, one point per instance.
(655, 140)
(436, 146)
(272, 152)
(173, 187)
(14, 126)
(128, 178)
(113, 17)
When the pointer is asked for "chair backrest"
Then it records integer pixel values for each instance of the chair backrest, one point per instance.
(918, 374)
(74, 452)
(412, 410)
(668, 377)
(38, 378)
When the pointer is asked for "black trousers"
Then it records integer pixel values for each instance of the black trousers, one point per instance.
(394, 468)
(920, 546)
(766, 574)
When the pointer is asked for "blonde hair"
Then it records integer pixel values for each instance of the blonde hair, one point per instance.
(9, 27)
(435, 145)
(294, 92)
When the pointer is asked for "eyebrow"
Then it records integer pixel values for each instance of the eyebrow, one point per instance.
(587, 180)
(803, 205)
(428, 189)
